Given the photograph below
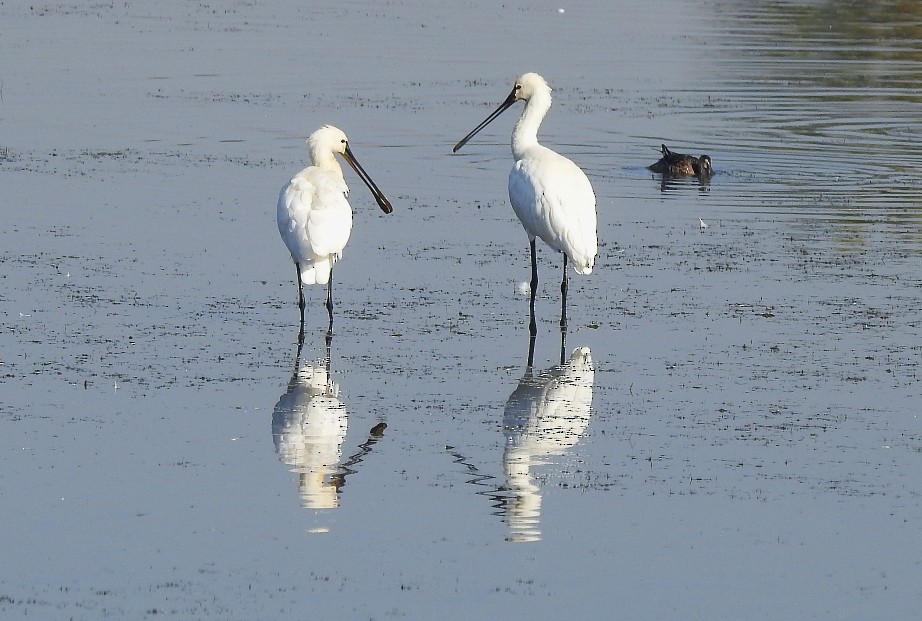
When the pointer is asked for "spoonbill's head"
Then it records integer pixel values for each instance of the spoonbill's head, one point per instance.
(526, 86)
(328, 140)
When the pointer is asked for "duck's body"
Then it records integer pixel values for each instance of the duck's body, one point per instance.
(314, 215)
(681, 165)
(551, 195)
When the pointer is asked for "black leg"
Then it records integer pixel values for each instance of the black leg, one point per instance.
(563, 311)
(330, 302)
(532, 324)
(300, 306)
(563, 296)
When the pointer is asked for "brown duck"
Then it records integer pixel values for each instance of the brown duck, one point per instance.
(680, 165)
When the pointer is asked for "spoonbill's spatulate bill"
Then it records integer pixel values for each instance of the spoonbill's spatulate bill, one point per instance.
(314, 215)
(550, 194)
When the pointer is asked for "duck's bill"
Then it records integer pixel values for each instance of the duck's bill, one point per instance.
(382, 201)
(502, 108)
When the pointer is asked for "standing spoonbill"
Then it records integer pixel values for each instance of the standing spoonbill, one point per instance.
(315, 218)
(550, 194)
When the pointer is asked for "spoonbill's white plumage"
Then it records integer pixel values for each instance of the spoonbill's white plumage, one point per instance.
(551, 196)
(314, 215)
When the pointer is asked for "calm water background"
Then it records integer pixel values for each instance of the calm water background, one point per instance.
(753, 449)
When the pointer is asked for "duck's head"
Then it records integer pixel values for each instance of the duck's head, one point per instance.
(702, 166)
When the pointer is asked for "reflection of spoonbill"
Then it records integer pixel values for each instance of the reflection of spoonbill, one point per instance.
(315, 218)
(308, 427)
(546, 415)
(550, 194)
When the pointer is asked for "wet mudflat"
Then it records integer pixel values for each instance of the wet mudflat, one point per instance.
(736, 435)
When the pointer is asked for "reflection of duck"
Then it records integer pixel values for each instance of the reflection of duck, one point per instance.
(681, 165)
(308, 428)
(546, 415)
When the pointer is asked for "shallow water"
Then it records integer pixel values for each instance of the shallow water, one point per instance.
(753, 447)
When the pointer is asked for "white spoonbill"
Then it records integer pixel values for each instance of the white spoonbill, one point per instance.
(315, 218)
(550, 194)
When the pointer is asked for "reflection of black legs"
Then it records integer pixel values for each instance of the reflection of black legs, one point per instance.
(330, 302)
(300, 306)
(531, 349)
(563, 310)
(563, 346)
(298, 356)
(328, 353)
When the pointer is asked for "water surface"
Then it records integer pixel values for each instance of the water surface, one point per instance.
(751, 447)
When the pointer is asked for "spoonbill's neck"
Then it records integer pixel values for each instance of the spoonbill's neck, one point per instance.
(525, 134)
(325, 160)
